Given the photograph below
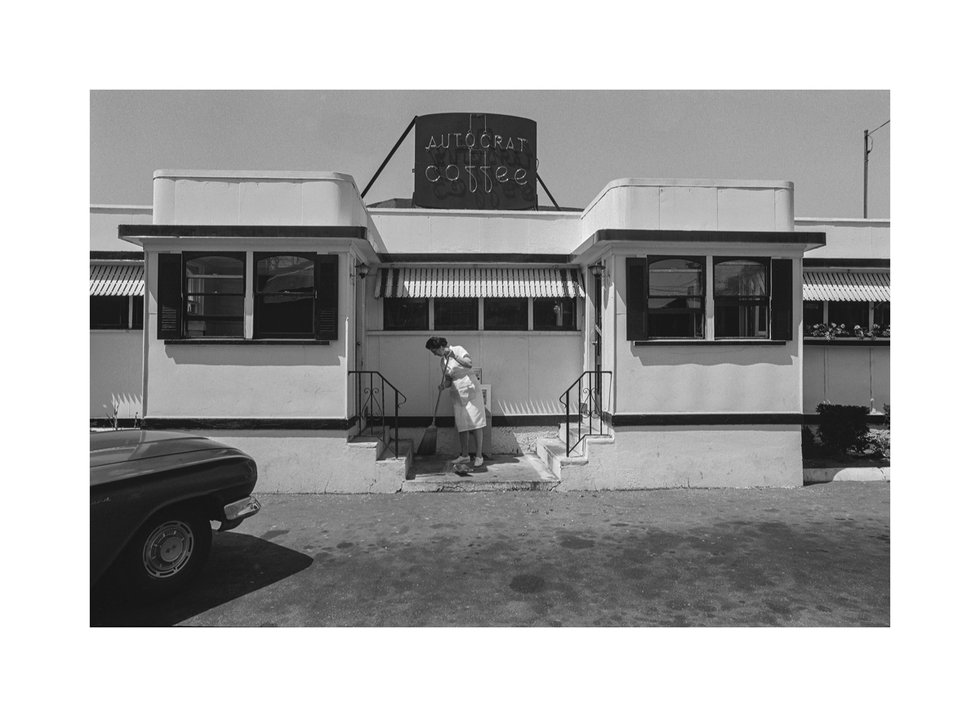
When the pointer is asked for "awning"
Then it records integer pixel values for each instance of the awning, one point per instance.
(447, 282)
(116, 279)
(846, 286)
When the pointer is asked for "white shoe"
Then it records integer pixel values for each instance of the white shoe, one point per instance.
(462, 459)
(478, 461)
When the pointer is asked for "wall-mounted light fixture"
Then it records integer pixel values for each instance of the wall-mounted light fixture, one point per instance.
(598, 269)
(363, 270)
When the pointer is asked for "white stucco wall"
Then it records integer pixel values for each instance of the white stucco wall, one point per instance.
(690, 205)
(848, 375)
(850, 238)
(115, 373)
(104, 221)
(256, 197)
(315, 462)
(644, 457)
(448, 232)
(527, 371)
(701, 378)
(247, 380)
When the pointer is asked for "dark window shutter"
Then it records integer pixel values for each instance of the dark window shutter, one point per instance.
(327, 297)
(782, 299)
(169, 281)
(636, 299)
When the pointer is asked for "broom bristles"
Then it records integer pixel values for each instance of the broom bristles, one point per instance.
(427, 446)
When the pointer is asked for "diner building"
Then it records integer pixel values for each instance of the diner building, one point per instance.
(674, 332)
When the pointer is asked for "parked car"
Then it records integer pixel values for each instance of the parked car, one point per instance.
(153, 497)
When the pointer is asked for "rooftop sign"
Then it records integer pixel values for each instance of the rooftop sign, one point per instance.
(475, 161)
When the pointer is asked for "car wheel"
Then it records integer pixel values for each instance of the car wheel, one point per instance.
(168, 552)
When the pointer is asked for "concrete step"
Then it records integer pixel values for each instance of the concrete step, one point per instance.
(435, 474)
(552, 451)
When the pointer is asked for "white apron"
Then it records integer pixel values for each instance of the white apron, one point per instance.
(468, 408)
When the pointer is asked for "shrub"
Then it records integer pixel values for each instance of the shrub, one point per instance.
(811, 449)
(878, 444)
(842, 429)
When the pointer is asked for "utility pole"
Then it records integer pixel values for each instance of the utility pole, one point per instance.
(868, 146)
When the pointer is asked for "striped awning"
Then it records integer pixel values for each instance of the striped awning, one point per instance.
(447, 282)
(116, 279)
(846, 286)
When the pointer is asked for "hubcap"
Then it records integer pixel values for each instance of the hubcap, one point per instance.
(168, 549)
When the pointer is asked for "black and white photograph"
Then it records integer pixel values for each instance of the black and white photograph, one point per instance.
(466, 360)
(486, 358)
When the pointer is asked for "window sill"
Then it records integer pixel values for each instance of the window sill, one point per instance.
(707, 342)
(247, 342)
(427, 332)
(849, 341)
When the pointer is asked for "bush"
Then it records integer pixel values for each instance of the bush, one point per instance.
(878, 444)
(842, 429)
(810, 447)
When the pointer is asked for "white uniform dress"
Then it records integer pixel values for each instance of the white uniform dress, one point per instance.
(468, 405)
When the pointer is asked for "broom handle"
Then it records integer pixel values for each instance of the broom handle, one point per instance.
(436, 409)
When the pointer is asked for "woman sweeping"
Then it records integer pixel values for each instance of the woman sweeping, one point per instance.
(458, 374)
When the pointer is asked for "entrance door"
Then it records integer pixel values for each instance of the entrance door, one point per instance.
(597, 329)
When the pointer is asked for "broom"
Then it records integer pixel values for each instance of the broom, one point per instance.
(427, 446)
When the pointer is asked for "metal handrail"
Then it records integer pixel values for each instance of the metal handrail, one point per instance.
(373, 411)
(589, 404)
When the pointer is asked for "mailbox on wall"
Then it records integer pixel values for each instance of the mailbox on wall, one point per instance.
(475, 161)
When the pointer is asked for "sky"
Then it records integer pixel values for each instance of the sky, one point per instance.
(586, 139)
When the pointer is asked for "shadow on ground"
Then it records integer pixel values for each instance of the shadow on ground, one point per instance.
(238, 565)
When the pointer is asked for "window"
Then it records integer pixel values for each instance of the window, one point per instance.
(753, 298)
(456, 314)
(741, 293)
(555, 315)
(505, 314)
(115, 312)
(675, 297)
(812, 314)
(202, 295)
(284, 295)
(406, 314)
(214, 295)
(108, 312)
(848, 313)
(882, 314)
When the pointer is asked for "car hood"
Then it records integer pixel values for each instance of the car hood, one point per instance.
(125, 454)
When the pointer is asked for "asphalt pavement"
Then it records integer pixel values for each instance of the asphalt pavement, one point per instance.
(813, 556)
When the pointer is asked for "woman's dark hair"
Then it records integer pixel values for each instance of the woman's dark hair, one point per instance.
(436, 342)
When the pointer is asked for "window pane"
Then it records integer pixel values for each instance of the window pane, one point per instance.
(204, 305)
(555, 315)
(883, 314)
(284, 298)
(742, 318)
(812, 314)
(676, 324)
(740, 277)
(226, 328)
(678, 303)
(505, 314)
(406, 314)
(214, 316)
(108, 312)
(137, 312)
(285, 273)
(283, 316)
(676, 277)
(456, 314)
(215, 275)
(848, 313)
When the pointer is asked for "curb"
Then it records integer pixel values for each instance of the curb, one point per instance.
(827, 475)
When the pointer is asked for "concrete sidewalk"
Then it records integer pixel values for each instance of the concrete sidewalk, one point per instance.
(770, 557)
